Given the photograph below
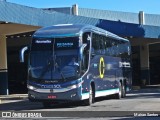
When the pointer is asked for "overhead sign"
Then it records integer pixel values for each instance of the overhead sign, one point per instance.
(43, 41)
(60, 45)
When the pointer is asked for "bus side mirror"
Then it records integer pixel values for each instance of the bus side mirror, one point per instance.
(81, 50)
(22, 53)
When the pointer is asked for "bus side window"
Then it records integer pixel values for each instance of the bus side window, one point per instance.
(108, 46)
(98, 44)
(95, 43)
(102, 45)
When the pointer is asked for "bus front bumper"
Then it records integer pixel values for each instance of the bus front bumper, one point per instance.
(71, 95)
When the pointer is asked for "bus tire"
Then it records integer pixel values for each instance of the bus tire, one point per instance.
(119, 94)
(123, 90)
(91, 99)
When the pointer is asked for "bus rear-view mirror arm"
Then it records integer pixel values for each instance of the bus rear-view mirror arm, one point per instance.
(81, 50)
(22, 51)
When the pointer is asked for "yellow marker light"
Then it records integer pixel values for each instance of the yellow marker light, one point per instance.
(101, 67)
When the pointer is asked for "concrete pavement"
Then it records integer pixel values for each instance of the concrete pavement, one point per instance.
(138, 89)
(12, 97)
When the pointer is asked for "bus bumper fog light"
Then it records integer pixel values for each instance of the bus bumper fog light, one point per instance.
(73, 95)
(32, 96)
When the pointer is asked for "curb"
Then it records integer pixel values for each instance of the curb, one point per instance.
(12, 97)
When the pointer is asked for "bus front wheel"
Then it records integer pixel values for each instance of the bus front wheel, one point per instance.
(91, 96)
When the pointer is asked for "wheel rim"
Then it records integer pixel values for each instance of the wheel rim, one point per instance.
(124, 91)
(91, 96)
(120, 91)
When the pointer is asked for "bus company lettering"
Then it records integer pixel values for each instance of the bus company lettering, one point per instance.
(64, 45)
(57, 86)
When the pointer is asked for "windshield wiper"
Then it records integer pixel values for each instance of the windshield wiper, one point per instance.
(46, 68)
(57, 66)
(61, 73)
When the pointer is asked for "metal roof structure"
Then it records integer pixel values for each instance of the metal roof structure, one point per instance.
(22, 15)
(127, 17)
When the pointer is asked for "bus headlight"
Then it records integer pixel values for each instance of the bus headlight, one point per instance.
(72, 87)
(31, 87)
(75, 86)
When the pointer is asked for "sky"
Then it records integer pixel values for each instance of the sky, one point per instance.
(134, 6)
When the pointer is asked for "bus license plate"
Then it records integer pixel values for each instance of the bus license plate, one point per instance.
(52, 97)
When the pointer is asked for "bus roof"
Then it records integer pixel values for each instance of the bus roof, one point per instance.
(68, 30)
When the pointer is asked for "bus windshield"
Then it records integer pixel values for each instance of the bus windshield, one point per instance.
(54, 59)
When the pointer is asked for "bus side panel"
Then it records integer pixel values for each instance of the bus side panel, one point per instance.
(107, 84)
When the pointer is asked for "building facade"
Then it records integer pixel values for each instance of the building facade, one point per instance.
(17, 24)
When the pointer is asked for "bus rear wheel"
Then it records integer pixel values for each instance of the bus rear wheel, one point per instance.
(120, 92)
(123, 91)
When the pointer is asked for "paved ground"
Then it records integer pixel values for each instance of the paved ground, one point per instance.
(137, 103)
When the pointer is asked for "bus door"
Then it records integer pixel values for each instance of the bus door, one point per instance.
(86, 52)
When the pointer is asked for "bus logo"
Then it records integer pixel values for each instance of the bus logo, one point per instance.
(101, 67)
(57, 86)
